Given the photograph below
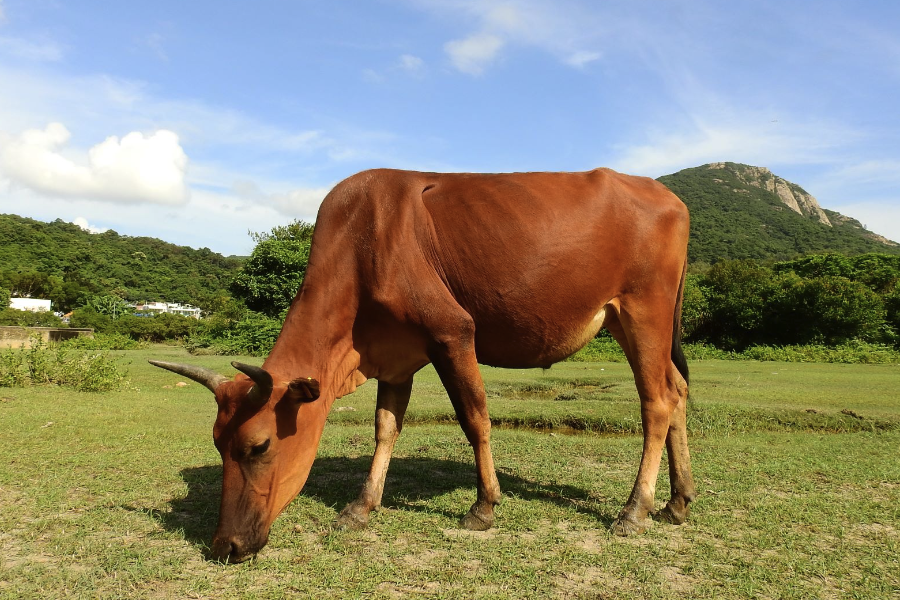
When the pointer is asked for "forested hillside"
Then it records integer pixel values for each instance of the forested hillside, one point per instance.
(737, 213)
(64, 263)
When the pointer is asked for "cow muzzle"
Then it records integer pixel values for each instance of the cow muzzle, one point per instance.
(233, 550)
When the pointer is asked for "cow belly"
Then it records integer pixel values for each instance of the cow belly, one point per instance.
(538, 343)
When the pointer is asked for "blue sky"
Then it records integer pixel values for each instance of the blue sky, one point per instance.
(197, 121)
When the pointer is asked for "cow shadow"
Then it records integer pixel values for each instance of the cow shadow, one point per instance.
(335, 481)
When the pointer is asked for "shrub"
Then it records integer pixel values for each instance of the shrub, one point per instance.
(88, 318)
(104, 341)
(252, 333)
(829, 310)
(158, 328)
(43, 363)
(694, 306)
(851, 352)
(26, 318)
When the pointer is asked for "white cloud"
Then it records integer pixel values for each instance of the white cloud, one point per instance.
(135, 168)
(83, 223)
(407, 64)
(154, 42)
(752, 141)
(870, 172)
(411, 64)
(581, 58)
(568, 30)
(879, 216)
(475, 53)
(295, 203)
(44, 51)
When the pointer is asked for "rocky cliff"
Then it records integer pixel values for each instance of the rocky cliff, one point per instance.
(791, 194)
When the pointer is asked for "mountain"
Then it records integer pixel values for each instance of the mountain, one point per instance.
(63, 262)
(740, 211)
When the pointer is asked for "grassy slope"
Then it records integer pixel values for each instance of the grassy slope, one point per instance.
(116, 495)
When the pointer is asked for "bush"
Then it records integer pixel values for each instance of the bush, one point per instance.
(43, 363)
(740, 304)
(158, 328)
(826, 310)
(605, 349)
(249, 333)
(694, 306)
(852, 352)
(104, 341)
(26, 318)
(88, 318)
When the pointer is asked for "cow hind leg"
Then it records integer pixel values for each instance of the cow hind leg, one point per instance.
(391, 405)
(680, 479)
(645, 334)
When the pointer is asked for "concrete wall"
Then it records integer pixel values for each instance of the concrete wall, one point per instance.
(20, 337)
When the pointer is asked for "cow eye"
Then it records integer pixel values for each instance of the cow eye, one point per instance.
(259, 449)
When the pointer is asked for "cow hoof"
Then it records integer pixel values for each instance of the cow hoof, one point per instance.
(351, 519)
(624, 527)
(673, 515)
(475, 522)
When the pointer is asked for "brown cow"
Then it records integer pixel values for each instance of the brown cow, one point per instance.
(511, 270)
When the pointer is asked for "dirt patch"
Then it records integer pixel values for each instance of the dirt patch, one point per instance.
(396, 590)
(424, 560)
(460, 534)
(593, 583)
(676, 580)
(866, 533)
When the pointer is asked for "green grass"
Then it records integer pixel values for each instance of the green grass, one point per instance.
(116, 495)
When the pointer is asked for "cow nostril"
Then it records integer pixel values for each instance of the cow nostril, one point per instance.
(223, 549)
(236, 554)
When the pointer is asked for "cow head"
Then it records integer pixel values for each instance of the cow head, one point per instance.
(267, 433)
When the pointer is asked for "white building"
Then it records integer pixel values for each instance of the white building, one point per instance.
(155, 308)
(30, 304)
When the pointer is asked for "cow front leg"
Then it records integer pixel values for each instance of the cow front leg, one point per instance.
(454, 360)
(391, 405)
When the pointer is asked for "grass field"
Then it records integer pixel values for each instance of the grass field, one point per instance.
(116, 495)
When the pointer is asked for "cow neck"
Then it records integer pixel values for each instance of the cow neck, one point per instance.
(316, 338)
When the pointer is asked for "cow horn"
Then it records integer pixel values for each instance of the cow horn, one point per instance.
(263, 384)
(207, 377)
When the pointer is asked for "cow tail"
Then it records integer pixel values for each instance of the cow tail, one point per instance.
(678, 357)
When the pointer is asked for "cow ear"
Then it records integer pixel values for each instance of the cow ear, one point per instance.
(304, 389)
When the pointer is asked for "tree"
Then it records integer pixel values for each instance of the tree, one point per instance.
(694, 307)
(892, 313)
(269, 280)
(109, 305)
(740, 304)
(86, 317)
(829, 310)
(5, 295)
